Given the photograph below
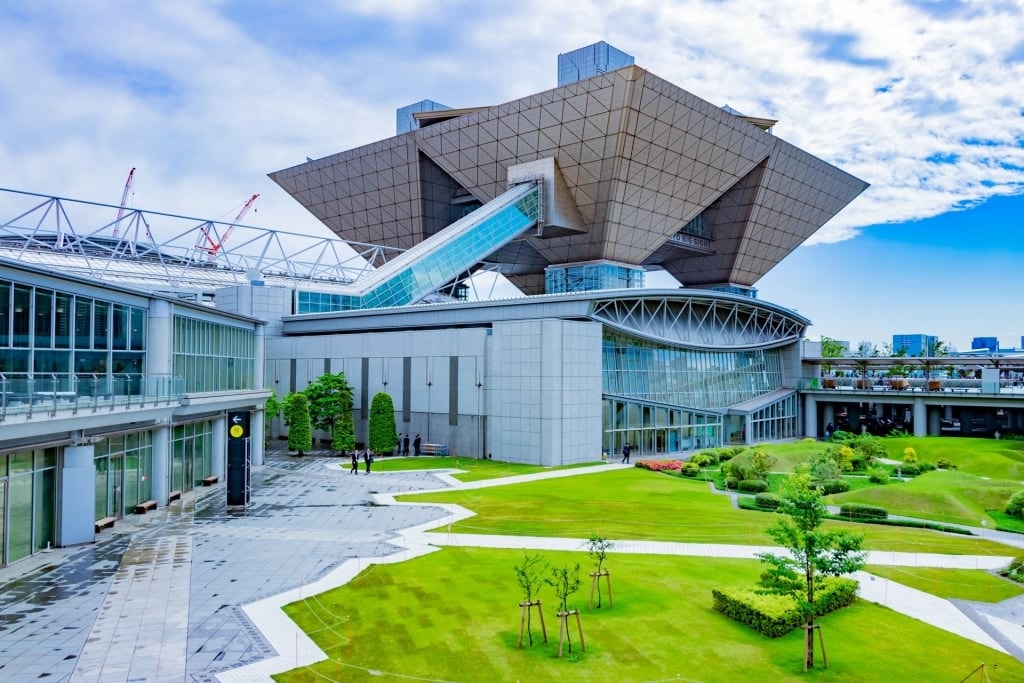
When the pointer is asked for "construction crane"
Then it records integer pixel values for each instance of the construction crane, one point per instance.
(213, 248)
(124, 201)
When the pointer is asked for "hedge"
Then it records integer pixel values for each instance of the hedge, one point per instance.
(769, 501)
(857, 511)
(830, 486)
(777, 615)
(753, 486)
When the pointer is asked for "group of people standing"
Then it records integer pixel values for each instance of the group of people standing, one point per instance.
(403, 445)
(367, 455)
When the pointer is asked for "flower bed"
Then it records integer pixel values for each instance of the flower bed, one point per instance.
(660, 465)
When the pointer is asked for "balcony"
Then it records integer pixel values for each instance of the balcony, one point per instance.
(28, 396)
(933, 385)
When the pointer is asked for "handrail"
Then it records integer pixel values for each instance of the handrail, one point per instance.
(52, 393)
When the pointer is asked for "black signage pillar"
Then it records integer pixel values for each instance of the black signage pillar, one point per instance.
(238, 458)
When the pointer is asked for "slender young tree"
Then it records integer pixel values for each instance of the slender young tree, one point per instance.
(597, 548)
(382, 435)
(300, 433)
(330, 409)
(271, 410)
(566, 581)
(813, 554)
(530, 575)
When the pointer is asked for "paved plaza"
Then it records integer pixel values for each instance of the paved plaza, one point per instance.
(192, 592)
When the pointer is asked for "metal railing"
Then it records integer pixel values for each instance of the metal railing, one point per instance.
(914, 384)
(31, 394)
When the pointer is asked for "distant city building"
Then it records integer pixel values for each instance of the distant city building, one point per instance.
(592, 60)
(914, 344)
(404, 119)
(811, 348)
(990, 343)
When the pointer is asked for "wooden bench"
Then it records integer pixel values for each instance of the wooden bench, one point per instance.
(173, 496)
(105, 523)
(210, 480)
(144, 507)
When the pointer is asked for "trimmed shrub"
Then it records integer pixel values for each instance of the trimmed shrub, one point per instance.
(909, 454)
(830, 486)
(769, 501)
(689, 469)
(659, 465)
(1015, 571)
(704, 458)
(878, 475)
(944, 464)
(858, 511)
(777, 615)
(752, 486)
(910, 468)
(383, 437)
(296, 415)
(926, 466)
(1015, 506)
(841, 435)
(731, 483)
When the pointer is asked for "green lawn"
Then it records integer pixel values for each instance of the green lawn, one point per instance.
(994, 458)
(638, 504)
(476, 469)
(961, 584)
(453, 616)
(949, 496)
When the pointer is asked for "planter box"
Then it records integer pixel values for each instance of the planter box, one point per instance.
(899, 384)
(828, 384)
(934, 385)
(863, 384)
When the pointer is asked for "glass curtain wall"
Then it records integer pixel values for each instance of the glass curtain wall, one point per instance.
(191, 455)
(652, 429)
(212, 356)
(28, 503)
(68, 343)
(643, 370)
(124, 473)
(776, 421)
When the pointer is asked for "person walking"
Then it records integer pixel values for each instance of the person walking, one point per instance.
(625, 453)
(416, 445)
(405, 444)
(368, 459)
(355, 463)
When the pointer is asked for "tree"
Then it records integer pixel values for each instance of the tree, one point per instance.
(597, 548)
(296, 414)
(566, 581)
(382, 435)
(830, 348)
(530, 575)
(330, 409)
(813, 554)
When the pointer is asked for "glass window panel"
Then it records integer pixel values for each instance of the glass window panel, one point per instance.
(21, 320)
(138, 329)
(19, 517)
(5, 316)
(44, 521)
(83, 323)
(62, 317)
(119, 327)
(44, 319)
(101, 325)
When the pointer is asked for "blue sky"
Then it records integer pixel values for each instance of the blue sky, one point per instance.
(920, 98)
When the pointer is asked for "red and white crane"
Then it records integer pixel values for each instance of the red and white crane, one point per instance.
(213, 248)
(124, 201)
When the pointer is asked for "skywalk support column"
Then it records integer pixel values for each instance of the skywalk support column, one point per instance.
(810, 416)
(159, 367)
(920, 417)
(77, 496)
(258, 430)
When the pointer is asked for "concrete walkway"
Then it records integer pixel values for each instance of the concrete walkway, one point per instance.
(194, 591)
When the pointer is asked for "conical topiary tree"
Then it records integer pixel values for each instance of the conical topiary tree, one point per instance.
(382, 438)
(300, 431)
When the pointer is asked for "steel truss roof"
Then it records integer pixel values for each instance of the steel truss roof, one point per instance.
(702, 322)
(156, 249)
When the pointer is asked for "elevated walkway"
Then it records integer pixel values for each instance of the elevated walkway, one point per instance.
(438, 259)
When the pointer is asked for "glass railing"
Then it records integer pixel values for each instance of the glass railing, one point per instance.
(27, 394)
(913, 384)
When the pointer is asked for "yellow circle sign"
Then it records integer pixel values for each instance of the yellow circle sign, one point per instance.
(236, 431)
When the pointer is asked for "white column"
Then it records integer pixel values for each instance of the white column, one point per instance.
(159, 338)
(810, 416)
(161, 463)
(77, 496)
(920, 417)
(259, 367)
(220, 447)
(256, 438)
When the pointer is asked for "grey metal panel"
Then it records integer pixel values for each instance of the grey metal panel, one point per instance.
(453, 390)
(406, 388)
(364, 389)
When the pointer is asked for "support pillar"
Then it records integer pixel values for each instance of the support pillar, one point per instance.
(920, 417)
(219, 447)
(161, 463)
(934, 421)
(810, 416)
(257, 441)
(77, 496)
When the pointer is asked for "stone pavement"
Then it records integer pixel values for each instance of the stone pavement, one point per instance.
(193, 591)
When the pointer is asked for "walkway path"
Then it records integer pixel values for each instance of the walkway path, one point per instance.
(193, 592)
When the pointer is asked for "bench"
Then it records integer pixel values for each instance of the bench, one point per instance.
(173, 496)
(210, 480)
(105, 523)
(434, 449)
(144, 507)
